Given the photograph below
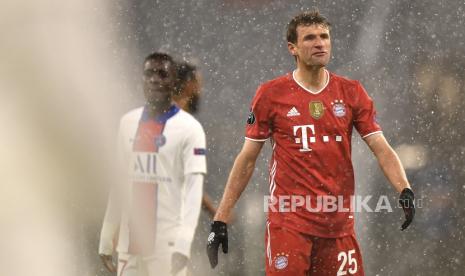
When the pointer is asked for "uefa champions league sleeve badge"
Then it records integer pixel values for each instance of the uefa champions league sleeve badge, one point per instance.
(251, 118)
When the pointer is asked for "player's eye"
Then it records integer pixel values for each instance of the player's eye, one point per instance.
(309, 37)
(149, 72)
(163, 74)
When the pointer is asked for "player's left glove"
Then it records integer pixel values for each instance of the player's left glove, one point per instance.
(218, 235)
(178, 262)
(406, 200)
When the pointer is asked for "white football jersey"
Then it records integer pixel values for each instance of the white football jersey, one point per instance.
(158, 154)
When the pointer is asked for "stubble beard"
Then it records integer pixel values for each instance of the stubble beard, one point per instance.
(315, 64)
(158, 104)
(194, 104)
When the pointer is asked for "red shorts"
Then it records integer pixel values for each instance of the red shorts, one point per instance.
(289, 252)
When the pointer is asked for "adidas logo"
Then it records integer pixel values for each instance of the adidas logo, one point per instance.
(293, 112)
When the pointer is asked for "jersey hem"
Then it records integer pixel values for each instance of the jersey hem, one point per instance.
(196, 171)
(341, 234)
(256, 140)
(371, 133)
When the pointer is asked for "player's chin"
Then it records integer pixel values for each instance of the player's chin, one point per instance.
(156, 93)
(322, 61)
(317, 63)
(157, 98)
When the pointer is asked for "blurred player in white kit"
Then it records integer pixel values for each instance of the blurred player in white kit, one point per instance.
(187, 97)
(156, 210)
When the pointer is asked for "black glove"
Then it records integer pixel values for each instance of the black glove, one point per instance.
(218, 235)
(406, 200)
(178, 262)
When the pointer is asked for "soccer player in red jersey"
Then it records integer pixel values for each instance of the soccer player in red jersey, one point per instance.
(309, 115)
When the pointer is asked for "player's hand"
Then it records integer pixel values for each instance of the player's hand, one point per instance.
(108, 262)
(406, 200)
(178, 262)
(218, 235)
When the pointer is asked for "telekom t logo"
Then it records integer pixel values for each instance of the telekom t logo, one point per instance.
(305, 134)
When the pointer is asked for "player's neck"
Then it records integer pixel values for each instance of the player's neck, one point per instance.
(312, 78)
(182, 102)
(155, 110)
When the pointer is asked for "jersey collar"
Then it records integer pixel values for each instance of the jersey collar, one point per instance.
(162, 118)
(308, 90)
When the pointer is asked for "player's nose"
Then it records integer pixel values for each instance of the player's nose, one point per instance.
(155, 79)
(319, 43)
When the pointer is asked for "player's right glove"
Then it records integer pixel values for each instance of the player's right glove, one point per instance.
(218, 235)
(406, 200)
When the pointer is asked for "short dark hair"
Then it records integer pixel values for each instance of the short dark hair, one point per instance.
(306, 19)
(159, 57)
(185, 72)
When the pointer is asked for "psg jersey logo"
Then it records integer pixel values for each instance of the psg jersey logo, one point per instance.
(160, 140)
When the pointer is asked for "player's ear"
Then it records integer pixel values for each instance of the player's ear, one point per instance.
(292, 48)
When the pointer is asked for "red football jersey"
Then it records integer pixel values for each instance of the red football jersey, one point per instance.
(311, 140)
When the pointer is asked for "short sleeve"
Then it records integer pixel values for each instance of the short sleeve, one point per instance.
(365, 114)
(258, 122)
(194, 152)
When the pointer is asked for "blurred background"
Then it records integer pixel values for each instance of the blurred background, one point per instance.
(70, 69)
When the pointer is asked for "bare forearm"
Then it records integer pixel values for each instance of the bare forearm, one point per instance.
(207, 204)
(237, 181)
(393, 169)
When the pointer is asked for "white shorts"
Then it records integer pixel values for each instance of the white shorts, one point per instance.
(135, 265)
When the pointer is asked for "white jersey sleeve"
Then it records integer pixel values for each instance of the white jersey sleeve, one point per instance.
(194, 151)
(112, 219)
(110, 228)
(190, 211)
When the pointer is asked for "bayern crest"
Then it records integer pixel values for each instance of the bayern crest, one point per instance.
(281, 261)
(339, 109)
